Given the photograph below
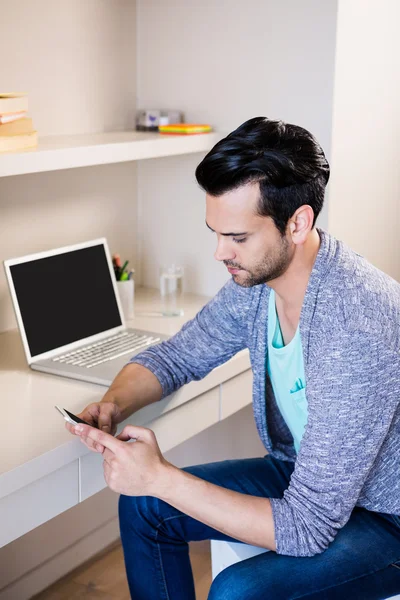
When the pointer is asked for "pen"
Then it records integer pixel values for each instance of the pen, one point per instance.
(123, 268)
(120, 271)
(116, 260)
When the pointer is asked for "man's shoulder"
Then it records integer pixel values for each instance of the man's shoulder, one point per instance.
(355, 278)
(360, 296)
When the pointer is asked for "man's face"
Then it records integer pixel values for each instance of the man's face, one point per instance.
(249, 245)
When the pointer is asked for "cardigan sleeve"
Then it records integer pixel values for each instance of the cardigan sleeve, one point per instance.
(216, 334)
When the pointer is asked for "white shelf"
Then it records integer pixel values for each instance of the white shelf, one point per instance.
(68, 152)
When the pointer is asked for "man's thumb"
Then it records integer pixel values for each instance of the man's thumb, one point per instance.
(131, 432)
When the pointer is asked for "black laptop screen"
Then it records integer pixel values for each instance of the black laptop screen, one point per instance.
(65, 298)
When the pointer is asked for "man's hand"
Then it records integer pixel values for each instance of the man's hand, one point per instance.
(104, 415)
(133, 469)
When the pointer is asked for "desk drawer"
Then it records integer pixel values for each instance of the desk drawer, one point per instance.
(92, 474)
(171, 429)
(38, 502)
(236, 393)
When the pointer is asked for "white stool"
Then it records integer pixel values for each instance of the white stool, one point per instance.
(224, 554)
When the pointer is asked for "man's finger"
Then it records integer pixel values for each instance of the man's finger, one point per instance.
(106, 412)
(69, 427)
(131, 432)
(95, 448)
(100, 437)
(108, 455)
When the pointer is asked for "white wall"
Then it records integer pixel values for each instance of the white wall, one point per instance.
(365, 184)
(223, 62)
(76, 60)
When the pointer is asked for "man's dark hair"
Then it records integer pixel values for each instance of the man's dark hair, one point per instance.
(285, 159)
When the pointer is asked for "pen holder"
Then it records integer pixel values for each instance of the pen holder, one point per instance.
(126, 291)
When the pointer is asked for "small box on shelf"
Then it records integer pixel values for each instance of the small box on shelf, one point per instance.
(151, 120)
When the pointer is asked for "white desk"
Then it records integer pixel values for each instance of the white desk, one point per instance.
(44, 470)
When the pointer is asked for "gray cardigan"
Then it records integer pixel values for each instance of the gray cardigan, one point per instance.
(350, 329)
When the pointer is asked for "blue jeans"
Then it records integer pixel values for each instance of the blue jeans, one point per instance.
(362, 563)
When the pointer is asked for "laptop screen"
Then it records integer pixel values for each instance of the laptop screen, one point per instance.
(65, 298)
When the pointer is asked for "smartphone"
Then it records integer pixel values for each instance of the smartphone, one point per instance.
(70, 417)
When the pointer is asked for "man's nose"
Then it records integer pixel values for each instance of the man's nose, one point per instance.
(224, 250)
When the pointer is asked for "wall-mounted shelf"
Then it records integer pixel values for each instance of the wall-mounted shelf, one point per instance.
(71, 151)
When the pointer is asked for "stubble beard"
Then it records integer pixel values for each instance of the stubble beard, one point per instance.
(267, 269)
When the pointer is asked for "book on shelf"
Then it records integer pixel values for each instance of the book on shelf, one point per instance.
(12, 143)
(9, 117)
(18, 127)
(13, 102)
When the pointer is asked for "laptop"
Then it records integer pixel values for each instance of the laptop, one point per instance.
(69, 314)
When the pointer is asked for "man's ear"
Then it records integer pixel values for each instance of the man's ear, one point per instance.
(301, 223)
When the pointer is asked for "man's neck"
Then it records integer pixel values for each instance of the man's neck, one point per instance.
(291, 287)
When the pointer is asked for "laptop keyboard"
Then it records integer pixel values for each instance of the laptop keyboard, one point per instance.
(100, 352)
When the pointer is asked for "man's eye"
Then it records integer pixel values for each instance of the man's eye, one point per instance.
(239, 241)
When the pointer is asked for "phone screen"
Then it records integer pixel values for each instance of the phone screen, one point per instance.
(77, 419)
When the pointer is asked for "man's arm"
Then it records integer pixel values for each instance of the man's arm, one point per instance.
(241, 516)
(353, 396)
(216, 334)
(133, 388)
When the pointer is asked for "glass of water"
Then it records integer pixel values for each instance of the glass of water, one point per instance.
(171, 289)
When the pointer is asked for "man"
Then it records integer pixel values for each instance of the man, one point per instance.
(322, 328)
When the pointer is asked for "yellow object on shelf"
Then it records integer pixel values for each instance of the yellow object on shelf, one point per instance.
(184, 128)
(19, 127)
(14, 143)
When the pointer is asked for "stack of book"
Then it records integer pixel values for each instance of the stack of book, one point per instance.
(16, 129)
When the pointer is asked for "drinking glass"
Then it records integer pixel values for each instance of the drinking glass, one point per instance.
(171, 289)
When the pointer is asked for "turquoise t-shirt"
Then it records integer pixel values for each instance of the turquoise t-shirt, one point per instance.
(285, 366)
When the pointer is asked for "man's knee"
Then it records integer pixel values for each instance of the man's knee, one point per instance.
(229, 585)
(138, 512)
(150, 517)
